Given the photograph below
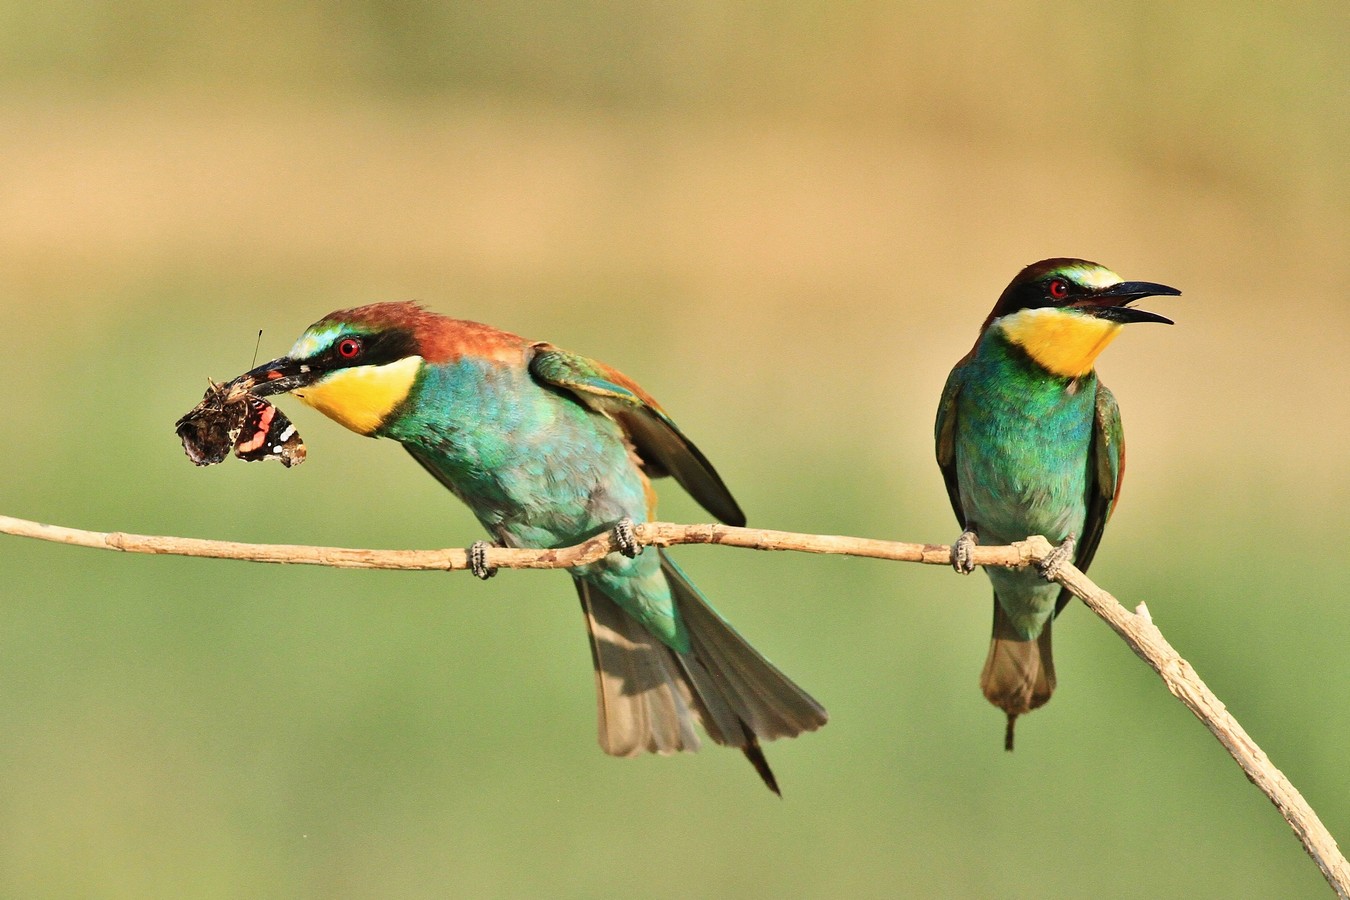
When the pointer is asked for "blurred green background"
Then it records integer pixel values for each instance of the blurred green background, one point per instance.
(787, 221)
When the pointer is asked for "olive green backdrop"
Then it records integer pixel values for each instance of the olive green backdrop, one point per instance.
(787, 221)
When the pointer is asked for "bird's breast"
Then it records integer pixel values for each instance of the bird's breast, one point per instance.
(1021, 455)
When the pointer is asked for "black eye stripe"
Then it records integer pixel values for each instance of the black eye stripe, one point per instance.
(1040, 293)
(376, 349)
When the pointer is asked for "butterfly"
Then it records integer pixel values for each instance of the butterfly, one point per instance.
(230, 418)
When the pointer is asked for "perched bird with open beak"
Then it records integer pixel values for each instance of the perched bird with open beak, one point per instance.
(1029, 442)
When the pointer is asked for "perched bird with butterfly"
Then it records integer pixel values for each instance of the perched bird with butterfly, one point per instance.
(548, 448)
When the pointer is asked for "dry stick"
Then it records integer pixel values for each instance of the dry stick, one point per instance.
(1136, 629)
(656, 534)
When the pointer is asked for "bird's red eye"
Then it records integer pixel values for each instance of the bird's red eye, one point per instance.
(349, 348)
(1059, 289)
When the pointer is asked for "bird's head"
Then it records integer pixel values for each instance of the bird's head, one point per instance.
(356, 366)
(1063, 312)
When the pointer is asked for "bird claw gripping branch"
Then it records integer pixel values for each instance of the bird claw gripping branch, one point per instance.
(963, 552)
(478, 561)
(1056, 558)
(626, 538)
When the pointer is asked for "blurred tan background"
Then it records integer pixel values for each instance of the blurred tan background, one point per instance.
(787, 221)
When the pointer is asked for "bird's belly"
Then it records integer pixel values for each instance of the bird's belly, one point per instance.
(1009, 506)
(1012, 490)
(542, 486)
(549, 517)
(1021, 473)
(552, 501)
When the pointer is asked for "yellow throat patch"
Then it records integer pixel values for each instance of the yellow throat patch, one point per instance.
(362, 397)
(1066, 343)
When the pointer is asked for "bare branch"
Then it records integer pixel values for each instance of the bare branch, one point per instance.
(1144, 638)
(1136, 629)
(653, 534)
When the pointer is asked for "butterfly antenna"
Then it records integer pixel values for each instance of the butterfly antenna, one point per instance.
(255, 350)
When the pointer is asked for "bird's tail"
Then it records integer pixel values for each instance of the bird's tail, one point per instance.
(649, 695)
(1019, 674)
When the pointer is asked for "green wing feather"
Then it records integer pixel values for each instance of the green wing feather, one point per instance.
(944, 434)
(1106, 471)
(1106, 468)
(660, 445)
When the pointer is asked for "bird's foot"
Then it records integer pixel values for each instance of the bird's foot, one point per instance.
(626, 538)
(1056, 558)
(963, 552)
(478, 561)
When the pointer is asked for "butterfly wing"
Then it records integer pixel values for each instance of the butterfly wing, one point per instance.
(268, 434)
(211, 428)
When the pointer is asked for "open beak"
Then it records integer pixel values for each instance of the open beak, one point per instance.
(1113, 303)
(276, 377)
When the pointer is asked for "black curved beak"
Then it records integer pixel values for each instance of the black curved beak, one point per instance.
(276, 377)
(1112, 303)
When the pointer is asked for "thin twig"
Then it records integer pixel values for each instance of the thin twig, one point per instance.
(1144, 638)
(653, 534)
(1136, 629)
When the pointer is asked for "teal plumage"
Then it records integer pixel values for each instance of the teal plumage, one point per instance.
(1030, 442)
(538, 469)
(1039, 434)
(547, 449)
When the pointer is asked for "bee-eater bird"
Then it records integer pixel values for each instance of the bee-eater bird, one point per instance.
(547, 449)
(1029, 442)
